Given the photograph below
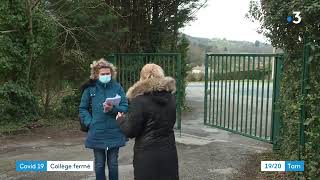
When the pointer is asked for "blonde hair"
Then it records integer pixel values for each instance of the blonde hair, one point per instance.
(151, 71)
(102, 63)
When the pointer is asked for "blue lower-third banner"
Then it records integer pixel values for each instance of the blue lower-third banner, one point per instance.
(43, 166)
(294, 166)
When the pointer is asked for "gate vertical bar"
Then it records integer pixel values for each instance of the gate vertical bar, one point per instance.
(225, 91)
(214, 89)
(242, 96)
(257, 100)
(218, 89)
(247, 103)
(268, 95)
(179, 94)
(130, 72)
(210, 87)
(221, 90)
(205, 91)
(229, 82)
(252, 90)
(238, 97)
(112, 59)
(261, 117)
(234, 89)
(127, 60)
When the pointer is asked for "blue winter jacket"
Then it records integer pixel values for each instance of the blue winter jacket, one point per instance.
(104, 131)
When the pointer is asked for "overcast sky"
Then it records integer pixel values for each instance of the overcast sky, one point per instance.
(224, 19)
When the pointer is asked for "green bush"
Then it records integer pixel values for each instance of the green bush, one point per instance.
(195, 77)
(292, 39)
(253, 75)
(69, 106)
(17, 104)
(291, 103)
(249, 74)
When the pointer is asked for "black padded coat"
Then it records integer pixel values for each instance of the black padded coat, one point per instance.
(150, 120)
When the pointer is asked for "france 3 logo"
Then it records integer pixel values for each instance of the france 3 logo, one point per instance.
(296, 19)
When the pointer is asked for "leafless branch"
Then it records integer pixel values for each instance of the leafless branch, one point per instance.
(55, 3)
(67, 31)
(59, 8)
(201, 6)
(93, 7)
(117, 13)
(8, 31)
(35, 4)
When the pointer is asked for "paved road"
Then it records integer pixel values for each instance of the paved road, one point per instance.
(205, 153)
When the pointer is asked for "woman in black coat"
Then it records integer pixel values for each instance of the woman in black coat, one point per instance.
(150, 120)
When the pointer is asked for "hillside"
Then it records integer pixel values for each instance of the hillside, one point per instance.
(199, 46)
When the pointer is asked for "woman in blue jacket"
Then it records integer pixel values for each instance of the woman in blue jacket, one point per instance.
(104, 135)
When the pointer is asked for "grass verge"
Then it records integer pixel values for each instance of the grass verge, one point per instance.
(14, 128)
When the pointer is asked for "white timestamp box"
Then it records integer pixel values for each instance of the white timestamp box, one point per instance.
(273, 165)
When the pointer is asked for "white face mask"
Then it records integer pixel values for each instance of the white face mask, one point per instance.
(105, 78)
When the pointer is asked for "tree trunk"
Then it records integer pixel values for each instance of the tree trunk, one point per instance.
(174, 40)
(155, 28)
(30, 41)
(47, 96)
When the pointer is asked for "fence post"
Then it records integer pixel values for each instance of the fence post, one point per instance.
(112, 58)
(276, 118)
(304, 92)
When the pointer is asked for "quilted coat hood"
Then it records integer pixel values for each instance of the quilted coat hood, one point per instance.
(151, 85)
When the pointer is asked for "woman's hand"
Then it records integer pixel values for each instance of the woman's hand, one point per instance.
(120, 115)
(107, 107)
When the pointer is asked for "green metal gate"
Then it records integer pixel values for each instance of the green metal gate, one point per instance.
(241, 94)
(129, 66)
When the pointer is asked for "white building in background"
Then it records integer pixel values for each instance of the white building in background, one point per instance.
(198, 69)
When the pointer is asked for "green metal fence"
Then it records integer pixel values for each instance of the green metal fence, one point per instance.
(241, 94)
(129, 66)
